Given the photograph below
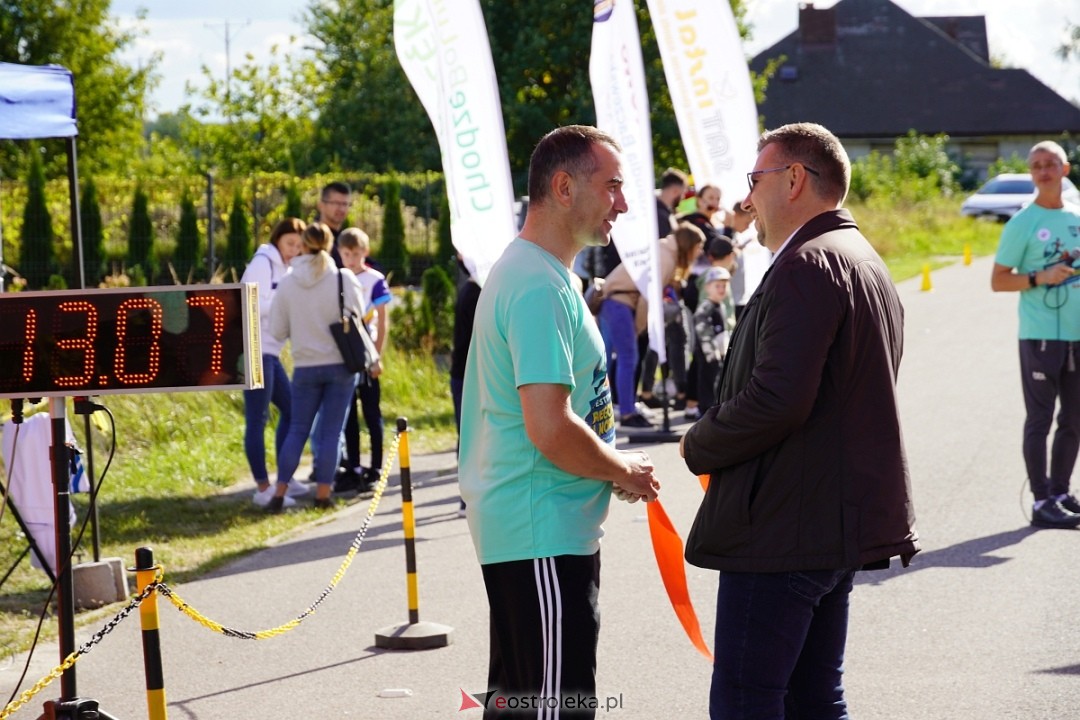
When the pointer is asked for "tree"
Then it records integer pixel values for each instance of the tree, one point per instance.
(363, 93)
(392, 253)
(81, 36)
(266, 112)
(141, 236)
(93, 235)
(445, 252)
(188, 242)
(537, 47)
(1070, 47)
(293, 206)
(37, 257)
(238, 247)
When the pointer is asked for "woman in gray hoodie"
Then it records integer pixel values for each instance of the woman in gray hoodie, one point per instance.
(304, 306)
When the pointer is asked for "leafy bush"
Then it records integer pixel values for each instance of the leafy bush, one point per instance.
(437, 310)
(405, 324)
(919, 169)
(1013, 164)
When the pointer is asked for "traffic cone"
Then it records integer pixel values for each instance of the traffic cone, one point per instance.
(967, 253)
(927, 286)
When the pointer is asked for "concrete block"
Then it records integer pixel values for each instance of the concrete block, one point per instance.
(99, 583)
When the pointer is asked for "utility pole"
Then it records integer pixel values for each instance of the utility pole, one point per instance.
(229, 31)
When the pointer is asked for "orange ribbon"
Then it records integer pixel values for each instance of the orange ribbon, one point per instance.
(668, 548)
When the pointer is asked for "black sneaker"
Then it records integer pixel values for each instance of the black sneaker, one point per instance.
(635, 421)
(368, 480)
(651, 401)
(1069, 503)
(1051, 514)
(348, 481)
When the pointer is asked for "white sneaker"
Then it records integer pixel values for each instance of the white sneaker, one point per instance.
(262, 497)
(297, 489)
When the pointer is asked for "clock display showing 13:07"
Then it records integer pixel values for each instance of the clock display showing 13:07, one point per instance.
(128, 340)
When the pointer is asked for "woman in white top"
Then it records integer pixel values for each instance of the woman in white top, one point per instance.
(304, 306)
(267, 267)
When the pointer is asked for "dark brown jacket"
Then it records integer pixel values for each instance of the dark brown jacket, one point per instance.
(804, 446)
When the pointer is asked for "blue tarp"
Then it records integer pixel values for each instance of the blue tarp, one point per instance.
(36, 101)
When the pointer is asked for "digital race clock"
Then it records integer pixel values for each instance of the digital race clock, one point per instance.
(128, 340)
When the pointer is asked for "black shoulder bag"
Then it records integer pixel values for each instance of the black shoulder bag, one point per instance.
(353, 341)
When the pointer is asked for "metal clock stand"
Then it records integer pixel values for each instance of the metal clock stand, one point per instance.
(69, 706)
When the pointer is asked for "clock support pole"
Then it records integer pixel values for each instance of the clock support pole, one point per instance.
(69, 706)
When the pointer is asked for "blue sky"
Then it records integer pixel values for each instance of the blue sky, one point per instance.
(191, 33)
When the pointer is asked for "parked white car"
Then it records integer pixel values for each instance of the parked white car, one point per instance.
(1003, 196)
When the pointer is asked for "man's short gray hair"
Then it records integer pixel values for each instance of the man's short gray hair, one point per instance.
(1051, 147)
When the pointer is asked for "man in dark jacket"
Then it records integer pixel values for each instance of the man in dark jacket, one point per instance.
(809, 481)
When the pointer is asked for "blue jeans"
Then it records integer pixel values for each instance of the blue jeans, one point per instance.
(779, 648)
(620, 337)
(326, 391)
(257, 411)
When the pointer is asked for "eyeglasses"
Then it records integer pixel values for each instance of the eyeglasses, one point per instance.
(751, 180)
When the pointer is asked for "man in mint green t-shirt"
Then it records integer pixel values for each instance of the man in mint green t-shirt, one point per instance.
(538, 463)
(1038, 257)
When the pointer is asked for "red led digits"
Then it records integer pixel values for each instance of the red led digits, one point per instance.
(28, 348)
(84, 344)
(147, 341)
(17, 369)
(218, 318)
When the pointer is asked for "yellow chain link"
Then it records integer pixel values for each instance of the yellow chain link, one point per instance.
(217, 627)
(206, 622)
(71, 659)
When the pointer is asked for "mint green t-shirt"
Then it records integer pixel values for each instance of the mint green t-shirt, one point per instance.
(1034, 239)
(531, 326)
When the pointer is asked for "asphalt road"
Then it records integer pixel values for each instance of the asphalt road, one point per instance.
(980, 626)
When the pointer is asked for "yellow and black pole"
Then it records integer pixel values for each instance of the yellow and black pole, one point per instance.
(413, 635)
(145, 574)
(408, 521)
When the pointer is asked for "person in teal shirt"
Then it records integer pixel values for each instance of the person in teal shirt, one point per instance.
(1038, 257)
(538, 463)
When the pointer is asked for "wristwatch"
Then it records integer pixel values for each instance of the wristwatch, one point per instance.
(1031, 279)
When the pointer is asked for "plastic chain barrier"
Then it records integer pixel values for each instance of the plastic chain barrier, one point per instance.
(71, 659)
(281, 629)
(206, 622)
